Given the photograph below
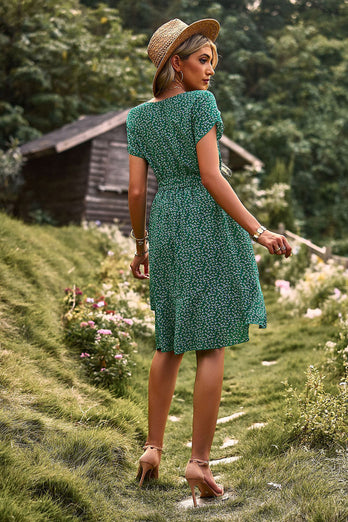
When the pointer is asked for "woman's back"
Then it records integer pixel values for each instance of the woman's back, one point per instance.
(203, 285)
(166, 132)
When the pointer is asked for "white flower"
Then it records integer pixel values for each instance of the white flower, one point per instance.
(330, 344)
(313, 312)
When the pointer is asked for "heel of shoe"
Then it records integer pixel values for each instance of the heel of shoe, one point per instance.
(195, 477)
(144, 468)
(192, 483)
(149, 463)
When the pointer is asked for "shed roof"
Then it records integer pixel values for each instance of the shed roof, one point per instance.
(89, 127)
(73, 134)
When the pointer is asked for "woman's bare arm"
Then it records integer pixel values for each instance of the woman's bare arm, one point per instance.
(137, 190)
(224, 195)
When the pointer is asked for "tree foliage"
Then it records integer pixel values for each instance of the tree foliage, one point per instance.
(281, 82)
(11, 178)
(302, 118)
(59, 61)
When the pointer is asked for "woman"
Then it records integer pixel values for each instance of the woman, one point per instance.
(204, 285)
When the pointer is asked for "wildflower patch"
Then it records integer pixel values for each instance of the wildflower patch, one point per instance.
(103, 337)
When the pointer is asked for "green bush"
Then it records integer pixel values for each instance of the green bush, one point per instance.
(337, 351)
(102, 336)
(273, 268)
(11, 178)
(317, 417)
(320, 292)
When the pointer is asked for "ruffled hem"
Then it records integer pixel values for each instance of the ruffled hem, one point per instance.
(227, 345)
(190, 325)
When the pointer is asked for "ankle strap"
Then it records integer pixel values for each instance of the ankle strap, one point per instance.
(200, 462)
(147, 445)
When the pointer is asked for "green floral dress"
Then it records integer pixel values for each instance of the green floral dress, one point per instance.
(204, 284)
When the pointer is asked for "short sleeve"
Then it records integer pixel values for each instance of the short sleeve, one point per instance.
(205, 115)
(134, 147)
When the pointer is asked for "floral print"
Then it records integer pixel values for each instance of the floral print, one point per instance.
(204, 285)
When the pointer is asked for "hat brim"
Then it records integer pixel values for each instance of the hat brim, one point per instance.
(208, 27)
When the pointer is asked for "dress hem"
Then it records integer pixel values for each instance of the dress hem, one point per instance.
(227, 345)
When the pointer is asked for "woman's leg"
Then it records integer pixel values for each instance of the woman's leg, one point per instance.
(206, 400)
(162, 379)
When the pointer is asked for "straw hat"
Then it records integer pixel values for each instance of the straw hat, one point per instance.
(170, 35)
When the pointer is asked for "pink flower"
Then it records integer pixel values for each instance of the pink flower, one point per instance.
(104, 332)
(102, 369)
(91, 324)
(67, 290)
(83, 324)
(85, 354)
(281, 283)
(283, 287)
(257, 258)
(89, 300)
(128, 321)
(100, 304)
(78, 291)
(118, 356)
(121, 272)
(337, 294)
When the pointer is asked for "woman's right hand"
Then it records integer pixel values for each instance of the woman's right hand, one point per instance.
(275, 243)
(136, 264)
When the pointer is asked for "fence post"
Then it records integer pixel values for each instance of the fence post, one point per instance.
(328, 253)
(281, 228)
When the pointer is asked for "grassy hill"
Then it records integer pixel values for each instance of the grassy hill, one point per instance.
(64, 443)
(68, 450)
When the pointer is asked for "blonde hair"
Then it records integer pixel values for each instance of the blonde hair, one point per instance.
(188, 47)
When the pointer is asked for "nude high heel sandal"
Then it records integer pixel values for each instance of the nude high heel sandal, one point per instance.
(195, 476)
(149, 463)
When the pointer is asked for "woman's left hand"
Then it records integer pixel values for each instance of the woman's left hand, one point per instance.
(136, 264)
(275, 243)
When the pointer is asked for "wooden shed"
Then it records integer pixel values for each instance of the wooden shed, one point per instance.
(80, 172)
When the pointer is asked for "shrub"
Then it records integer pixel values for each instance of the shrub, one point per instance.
(273, 268)
(315, 416)
(270, 204)
(337, 351)
(11, 178)
(104, 338)
(320, 292)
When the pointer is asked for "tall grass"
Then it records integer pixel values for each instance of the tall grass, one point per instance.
(68, 450)
(64, 444)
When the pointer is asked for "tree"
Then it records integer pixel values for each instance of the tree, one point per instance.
(58, 62)
(303, 118)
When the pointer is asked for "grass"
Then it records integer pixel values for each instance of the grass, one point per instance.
(68, 450)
